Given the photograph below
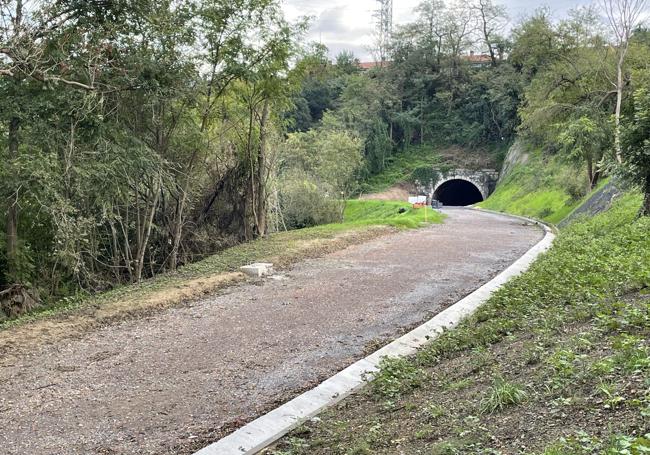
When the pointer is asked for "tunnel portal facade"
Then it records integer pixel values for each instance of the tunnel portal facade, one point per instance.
(458, 187)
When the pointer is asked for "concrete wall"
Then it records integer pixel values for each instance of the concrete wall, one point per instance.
(485, 180)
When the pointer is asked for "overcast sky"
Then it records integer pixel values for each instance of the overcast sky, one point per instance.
(349, 24)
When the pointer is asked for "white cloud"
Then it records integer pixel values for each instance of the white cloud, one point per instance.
(349, 24)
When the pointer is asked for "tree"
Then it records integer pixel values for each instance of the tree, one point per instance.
(347, 63)
(635, 144)
(623, 17)
(571, 82)
(492, 21)
(317, 173)
(49, 45)
(585, 139)
(459, 26)
(430, 23)
(535, 43)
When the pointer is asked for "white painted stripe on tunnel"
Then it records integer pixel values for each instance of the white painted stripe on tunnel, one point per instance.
(272, 426)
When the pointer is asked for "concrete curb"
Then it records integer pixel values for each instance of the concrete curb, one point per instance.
(546, 226)
(267, 429)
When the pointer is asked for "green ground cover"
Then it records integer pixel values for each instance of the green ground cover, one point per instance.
(368, 213)
(557, 362)
(402, 167)
(546, 188)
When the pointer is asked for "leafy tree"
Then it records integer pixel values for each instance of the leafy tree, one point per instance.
(535, 43)
(623, 17)
(317, 173)
(586, 139)
(636, 146)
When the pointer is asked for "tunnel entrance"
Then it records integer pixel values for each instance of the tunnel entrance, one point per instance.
(458, 192)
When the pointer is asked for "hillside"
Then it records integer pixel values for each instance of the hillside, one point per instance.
(416, 163)
(546, 187)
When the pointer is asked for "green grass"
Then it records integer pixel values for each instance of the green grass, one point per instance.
(367, 213)
(401, 168)
(556, 362)
(546, 188)
(501, 395)
(287, 247)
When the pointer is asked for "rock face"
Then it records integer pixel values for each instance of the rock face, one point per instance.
(517, 155)
(17, 300)
(600, 201)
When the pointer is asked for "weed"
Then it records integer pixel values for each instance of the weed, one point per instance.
(534, 353)
(611, 398)
(584, 444)
(423, 433)
(396, 376)
(481, 358)
(434, 411)
(458, 385)
(631, 353)
(501, 395)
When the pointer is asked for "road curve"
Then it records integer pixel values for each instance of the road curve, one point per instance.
(178, 380)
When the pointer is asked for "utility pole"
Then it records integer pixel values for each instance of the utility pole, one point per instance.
(384, 15)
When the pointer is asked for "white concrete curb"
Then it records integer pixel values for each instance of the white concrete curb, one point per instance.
(270, 427)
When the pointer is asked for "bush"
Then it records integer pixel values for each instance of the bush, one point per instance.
(304, 204)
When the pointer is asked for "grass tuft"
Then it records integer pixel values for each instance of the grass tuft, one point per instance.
(501, 395)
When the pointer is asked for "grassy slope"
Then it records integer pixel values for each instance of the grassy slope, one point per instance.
(401, 167)
(359, 212)
(363, 220)
(556, 363)
(541, 189)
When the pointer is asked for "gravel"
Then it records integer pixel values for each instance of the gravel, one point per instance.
(177, 380)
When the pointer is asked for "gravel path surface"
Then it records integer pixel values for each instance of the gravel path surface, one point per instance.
(175, 381)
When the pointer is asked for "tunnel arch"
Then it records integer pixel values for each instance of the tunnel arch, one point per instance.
(458, 192)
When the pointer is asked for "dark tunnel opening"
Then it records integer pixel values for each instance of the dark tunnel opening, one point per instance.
(458, 193)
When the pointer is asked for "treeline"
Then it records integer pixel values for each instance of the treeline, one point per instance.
(462, 74)
(136, 136)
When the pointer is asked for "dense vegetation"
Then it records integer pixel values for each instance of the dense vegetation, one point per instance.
(363, 220)
(557, 362)
(139, 136)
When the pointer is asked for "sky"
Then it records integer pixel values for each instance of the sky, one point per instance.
(349, 24)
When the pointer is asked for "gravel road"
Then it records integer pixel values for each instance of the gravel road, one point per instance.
(175, 381)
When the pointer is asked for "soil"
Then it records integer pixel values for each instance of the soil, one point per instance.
(400, 192)
(182, 377)
(455, 387)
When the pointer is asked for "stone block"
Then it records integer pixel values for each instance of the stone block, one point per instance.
(258, 270)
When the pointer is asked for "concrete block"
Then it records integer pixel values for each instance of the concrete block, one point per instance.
(258, 270)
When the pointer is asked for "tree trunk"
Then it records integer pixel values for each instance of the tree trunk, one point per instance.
(177, 230)
(486, 36)
(12, 209)
(645, 209)
(619, 104)
(147, 224)
(262, 172)
(421, 120)
(590, 172)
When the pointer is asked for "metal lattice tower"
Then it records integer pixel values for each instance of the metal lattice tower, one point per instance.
(384, 16)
